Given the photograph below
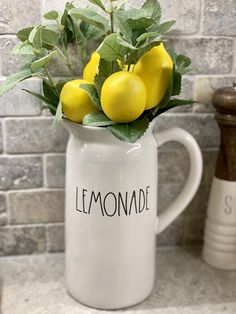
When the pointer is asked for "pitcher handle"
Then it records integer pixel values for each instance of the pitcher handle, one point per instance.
(176, 208)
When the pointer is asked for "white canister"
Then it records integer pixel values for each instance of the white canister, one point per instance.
(111, 213)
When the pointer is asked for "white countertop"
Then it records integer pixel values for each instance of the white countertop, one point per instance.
(184, 285)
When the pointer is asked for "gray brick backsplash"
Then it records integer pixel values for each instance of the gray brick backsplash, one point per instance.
(3, 219)
(202, 127)
(3, 204)
(194, 228)
(3, 209)
(59, 5)
(15, 240)
(35, 136)
(9, 63)
(167, 193)
(55, 238)
(185, 12)
(14, 17)
(209, 162)
(173, 166)
(20, 172)
(58, 68)
(36, 206)
(173, 234)
(1, 138)
(209, 55)
(219, 17)
(205, 88)
(187, 89)
(187, 92)
(55, 170)
(198, 205)
(19, 103)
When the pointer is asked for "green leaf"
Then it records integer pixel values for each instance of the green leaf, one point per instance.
(35, 37)
(38, 64)
(26, 62)
(123, 25)
(13, 79)
(137, 53)
(49, 38)
(111, 50)
(176, 88)
(58, 116)
(135, 18)
(23, 34)
(23, 49)
(50, 92)
(130, 132)
(47, 101)
(152, 8)
(172, 54)
(182, 62)
(68, 7)
(80, 40)
(98, 3)
(124, 43)
(174, 103)
(59, 86)
(91, 32)
(52, 15)
(120, 5)
(92, 93)
(105, 69)
(146, 36)
(90, 16)
(97, 119)
(164, 27)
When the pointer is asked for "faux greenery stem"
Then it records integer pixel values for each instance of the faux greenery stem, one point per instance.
(49, 77)
(111, 12)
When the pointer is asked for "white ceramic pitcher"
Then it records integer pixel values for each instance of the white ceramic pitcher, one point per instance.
(111, 213)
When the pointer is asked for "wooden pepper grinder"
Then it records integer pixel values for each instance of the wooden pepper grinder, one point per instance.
(219, 248)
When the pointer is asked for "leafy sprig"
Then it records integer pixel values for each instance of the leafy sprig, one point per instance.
(126, 35)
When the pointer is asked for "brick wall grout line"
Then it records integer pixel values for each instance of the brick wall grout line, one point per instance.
(197, 36)
(27, 225)
(34, 190)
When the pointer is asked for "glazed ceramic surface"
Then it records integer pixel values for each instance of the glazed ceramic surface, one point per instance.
(111, 213)
(219, 248)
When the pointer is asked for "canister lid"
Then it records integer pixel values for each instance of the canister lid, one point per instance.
(224, 100)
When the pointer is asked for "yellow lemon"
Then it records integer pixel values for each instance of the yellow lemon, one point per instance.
(155, 69)
(75, 101)
(91, 68)
(123, 97)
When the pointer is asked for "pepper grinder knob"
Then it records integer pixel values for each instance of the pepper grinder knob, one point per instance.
(219, 249)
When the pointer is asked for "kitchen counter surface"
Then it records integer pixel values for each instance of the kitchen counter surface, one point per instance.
(184, 285)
